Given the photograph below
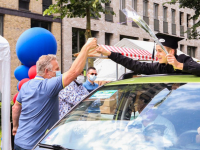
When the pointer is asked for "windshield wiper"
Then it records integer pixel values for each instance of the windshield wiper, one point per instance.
(161, 101)
(54, 146)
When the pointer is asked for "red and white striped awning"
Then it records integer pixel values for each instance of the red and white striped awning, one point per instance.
(138, 54)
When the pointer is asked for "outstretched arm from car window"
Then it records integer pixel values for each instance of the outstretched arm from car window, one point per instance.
(191, 66)
(16, 111)
(134, 65)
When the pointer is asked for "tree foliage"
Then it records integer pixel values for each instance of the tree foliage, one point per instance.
(78, 8)
(195, 5)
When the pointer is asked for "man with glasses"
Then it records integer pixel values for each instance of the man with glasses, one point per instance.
(91, 77)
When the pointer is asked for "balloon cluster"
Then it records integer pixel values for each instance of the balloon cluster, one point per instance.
(32, 44)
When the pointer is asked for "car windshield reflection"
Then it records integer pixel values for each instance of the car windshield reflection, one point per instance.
(140, 116)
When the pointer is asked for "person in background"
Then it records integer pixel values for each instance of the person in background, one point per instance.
(80, 78)
(71, 95)
(91, 77)
(37, 107)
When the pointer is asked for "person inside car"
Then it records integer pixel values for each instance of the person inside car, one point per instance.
(168, 63)
(155, 128)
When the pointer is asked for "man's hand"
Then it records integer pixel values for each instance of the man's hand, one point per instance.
(91, 43)
(14, 131)
(172, 61)
(16, 111)
(101, 50)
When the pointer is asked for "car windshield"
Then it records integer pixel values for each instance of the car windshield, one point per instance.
(138, 116)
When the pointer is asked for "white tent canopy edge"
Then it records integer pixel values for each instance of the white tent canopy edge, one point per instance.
(5, 90)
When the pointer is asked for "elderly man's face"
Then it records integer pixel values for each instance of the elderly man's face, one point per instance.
(52, 73)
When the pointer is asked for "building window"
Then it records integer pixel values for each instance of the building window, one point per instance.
(165, 23)
(1, 25)
(122, 16)
(145, 39)
(46, 4)
(155, 11)
(42, 24)
(108, 37)
(128, 37)
(24, 4)
(173, 16)
(191, 51)
(181, 47)
(134, 4)
(181, 18)
(122, 4)
(108, 17)
(78, 39)
(181, 15)
(156, 21)
(165, 14)
(145, 8)
(173, 22)
(108, 4)
(188, 20)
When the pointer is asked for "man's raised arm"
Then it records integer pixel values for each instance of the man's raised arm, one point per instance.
(79, 63)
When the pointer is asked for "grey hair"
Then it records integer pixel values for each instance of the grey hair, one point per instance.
(44, 62)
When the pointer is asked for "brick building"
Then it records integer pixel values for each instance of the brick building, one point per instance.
(108, 29)
(16, 16)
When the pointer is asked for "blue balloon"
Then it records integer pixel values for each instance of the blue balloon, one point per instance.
(18, 86)
(34, 43)
(21, 72)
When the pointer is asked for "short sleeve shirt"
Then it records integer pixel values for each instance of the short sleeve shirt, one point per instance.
(70, 96)
(89, 86)
(40, 109)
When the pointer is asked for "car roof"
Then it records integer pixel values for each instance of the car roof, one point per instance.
(158, 79)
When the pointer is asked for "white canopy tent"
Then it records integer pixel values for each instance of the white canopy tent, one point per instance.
(106, 68)
(5, 90)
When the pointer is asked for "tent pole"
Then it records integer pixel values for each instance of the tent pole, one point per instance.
(116, 71)
(87, 64)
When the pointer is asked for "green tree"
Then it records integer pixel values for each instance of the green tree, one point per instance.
(78, 8)
(195, 5)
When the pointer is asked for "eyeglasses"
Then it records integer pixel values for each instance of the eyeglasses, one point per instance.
(94, 74)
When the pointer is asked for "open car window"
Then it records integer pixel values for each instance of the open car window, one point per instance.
(138, 116)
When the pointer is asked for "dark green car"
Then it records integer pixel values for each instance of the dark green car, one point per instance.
(143, 113)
